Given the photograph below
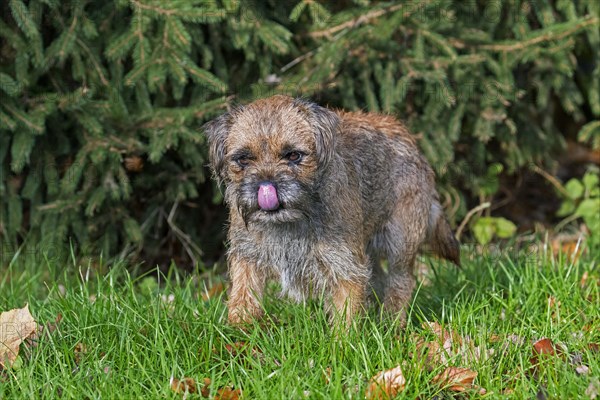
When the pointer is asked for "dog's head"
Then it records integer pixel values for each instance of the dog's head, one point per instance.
(271, 156)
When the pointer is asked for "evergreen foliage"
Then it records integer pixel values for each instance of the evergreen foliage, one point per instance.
(102, 102)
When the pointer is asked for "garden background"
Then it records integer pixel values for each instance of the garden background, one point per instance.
(102, 149)
(112, 276)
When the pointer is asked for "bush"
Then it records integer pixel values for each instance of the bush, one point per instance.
(103, 102)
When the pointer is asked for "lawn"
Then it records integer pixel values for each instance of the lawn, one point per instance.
(110, 333)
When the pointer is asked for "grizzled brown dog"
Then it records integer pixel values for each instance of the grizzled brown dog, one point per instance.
(317, 198)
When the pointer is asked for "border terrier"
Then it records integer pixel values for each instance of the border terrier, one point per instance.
(317, 198)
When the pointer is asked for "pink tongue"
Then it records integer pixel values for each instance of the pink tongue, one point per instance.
(267, 197)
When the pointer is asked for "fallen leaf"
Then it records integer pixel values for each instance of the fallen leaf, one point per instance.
(433, 353)
(469, 353)
(214, 291)
(445, 336)
(386, 384)
(576, 359)
(186, 385)
(15, 326)
(228, 393)
(438, 351)
(235, 348)
(516, 339)
(495, 338)
(544, 346)
(457, 379)
(554, 305)
(582, 369)
(546, 349)
(327, 375)
(594, 347)
(593, 389)
(243, 350)
(572, 249)
(552, 302)
(205, 390)
(584, 278)
(79, 351)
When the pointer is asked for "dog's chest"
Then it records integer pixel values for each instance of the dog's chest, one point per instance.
(291, 257)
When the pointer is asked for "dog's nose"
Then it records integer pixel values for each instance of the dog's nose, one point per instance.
(267, 197)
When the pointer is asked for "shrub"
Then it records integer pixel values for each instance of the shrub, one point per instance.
(102, 105)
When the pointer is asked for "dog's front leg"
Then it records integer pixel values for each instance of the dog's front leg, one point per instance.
(347, 283)
(247, 286)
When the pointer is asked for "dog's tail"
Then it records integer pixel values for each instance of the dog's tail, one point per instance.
(440, 237)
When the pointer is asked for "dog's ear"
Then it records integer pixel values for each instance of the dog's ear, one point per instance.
(217, 131)
(325, 124)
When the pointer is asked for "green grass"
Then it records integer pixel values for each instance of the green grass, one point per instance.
(135, 341)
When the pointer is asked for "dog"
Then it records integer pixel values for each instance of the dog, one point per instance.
(317, 198)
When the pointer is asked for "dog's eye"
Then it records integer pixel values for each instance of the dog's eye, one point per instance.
(243, 161)
(294, 156)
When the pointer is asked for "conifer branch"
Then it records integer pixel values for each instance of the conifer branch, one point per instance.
(353, 23)
(25, 121)
(544, 37)
(94, 61)
(156, 9)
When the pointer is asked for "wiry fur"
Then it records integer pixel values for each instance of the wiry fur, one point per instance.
(361, 193)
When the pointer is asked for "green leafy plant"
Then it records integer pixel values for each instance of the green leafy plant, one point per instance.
(581, 199)
(487, 228)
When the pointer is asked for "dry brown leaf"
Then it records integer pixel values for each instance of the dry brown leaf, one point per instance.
(450, 344)
(584, 278)
(553, 302)
(243, 350)
(444, 335)
(15, 326)
(228, 393)
(495, 338)
(386, 384)
(186, 385)
(79, 351)
(448, 338)
(572, 249)
(235, 348)
(434, 355)
(594, 347)
(546, 349)
(327, 375)
(543, 347)
(214, 291)
(457, 379)
(205, 390)
(554, 305)
(440, 350)
(469, 353)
